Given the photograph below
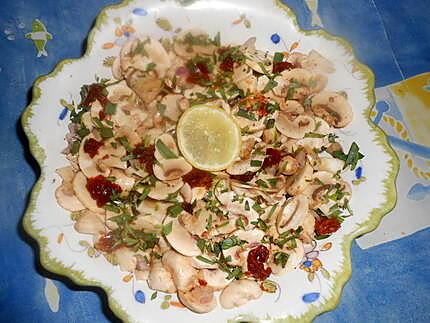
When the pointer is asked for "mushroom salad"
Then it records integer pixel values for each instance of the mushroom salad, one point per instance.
(193, 230)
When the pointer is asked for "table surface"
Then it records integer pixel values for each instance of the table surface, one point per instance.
(389, 282)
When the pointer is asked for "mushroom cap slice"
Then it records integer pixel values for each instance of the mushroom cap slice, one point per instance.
(81, 192)
(67, 199)
(333, 108)
(87, 164)
(64, 194)
(298, 182)
(215, 278)
(126, 258)
(181, 240)
(295, 257)
(239, 292)
(184, 275)
(173, 103)
(147, 85)
(116, 68)
(315, 62)
(293, 214)
(200, 299)
(168, 141)
(170, 169)
(162, 190)
(160, 278)
(89, 223)
(296, 128)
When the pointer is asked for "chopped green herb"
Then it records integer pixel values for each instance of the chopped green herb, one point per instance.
(270, 85)
(74, 148)
(230, 242)
(246, 114)
(174, 210)
(217, 39)
(260, 224)
(83, 131)
(270, 123)
(106, 132)
(272, 210)
(261, 183)
(164, 150)
(247, 208)
(281, 258)
(314, 135)
(124, 142)
(240, 224)
(273, 182)
(351, 159)
(206, 260)
(209, 224)
(256, 163)
(150, 67)
(279, 57)
(110, 108)
(167, 228)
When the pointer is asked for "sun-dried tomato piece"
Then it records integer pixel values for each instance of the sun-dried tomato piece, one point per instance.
(255, 261)
(325, 225)
(273, 157)
(279, 67)
(91, 146)
(145, 155)
(248, 176)
(198, 178)
(101, 189)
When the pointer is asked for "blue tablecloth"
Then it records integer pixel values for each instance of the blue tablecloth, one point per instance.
(389, 283)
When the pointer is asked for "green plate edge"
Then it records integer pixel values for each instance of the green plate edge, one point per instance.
(340, 278)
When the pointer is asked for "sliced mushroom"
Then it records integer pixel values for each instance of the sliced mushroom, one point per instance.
(296, 128)
(333, 108)
(162, 190)
(168, 141)
(183, 274)
(116, 68)
(297, 183)
(235, 255)
(81, 192)
(200, 299)
(174, 105)
(196, 224)
(252, 164)
(87, 164)
(308, 226)
(250, 236)
(125, 182)
(313, 81)
(151, 215)
(329, 164)
(89, 223)
(288, 165)
(258, 60)
(64, 193)
(295, 257)
(315, 62)
(170, 169)
(126, 258)
(293, 214)
(160, 278)
(147, 85)
(217, 279)
(198, 264)
(180, 239)
(239, 292)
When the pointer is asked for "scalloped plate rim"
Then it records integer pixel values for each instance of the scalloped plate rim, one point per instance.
(53, 265)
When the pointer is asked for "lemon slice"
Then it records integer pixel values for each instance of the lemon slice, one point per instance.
(208, 137)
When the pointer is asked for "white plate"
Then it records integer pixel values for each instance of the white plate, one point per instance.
(304, 293)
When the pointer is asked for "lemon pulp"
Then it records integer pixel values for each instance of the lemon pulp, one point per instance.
(208, 137)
